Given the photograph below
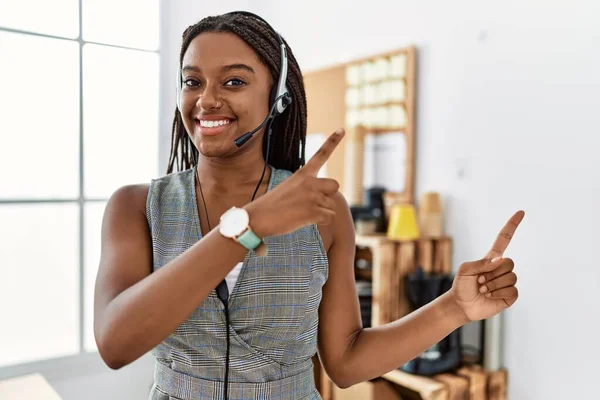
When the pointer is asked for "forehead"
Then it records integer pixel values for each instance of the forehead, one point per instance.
(215, 49)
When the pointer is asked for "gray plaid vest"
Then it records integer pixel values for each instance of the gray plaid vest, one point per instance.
(273, 309)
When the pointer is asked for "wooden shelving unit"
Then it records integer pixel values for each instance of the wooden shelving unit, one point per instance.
(383, 256)
(391, 261)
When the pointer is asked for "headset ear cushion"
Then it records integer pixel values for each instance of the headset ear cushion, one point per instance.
(286, 100)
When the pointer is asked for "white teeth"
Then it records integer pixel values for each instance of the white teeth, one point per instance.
(212, 124)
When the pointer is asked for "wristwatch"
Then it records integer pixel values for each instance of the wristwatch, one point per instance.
(234, 224)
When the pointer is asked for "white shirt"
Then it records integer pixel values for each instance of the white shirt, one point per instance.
(232, 277)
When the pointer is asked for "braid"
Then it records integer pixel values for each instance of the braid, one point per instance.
(288, 139)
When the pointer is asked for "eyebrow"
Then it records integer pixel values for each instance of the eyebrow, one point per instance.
(224, 68)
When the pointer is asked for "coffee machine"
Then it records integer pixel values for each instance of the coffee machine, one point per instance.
(373, 207)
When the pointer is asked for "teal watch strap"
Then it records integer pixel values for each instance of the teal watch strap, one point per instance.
(249, 240)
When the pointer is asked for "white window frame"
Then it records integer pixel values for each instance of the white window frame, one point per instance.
(84, 362)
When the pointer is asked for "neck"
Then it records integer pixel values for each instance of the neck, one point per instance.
(232, 176)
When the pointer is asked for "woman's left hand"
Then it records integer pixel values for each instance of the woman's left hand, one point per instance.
(485, 287)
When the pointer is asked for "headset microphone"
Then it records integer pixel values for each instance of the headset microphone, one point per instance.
(286, 100)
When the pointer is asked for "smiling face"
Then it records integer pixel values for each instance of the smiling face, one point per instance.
(225, 93)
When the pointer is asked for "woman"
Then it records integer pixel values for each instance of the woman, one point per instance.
(271, 258)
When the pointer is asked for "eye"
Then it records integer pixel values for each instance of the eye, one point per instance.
(235, 82)
(191, 82)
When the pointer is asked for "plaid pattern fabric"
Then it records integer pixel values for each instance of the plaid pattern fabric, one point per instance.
(174, 385)
(273, 308)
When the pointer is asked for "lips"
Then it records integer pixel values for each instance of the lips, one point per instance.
(213, 126)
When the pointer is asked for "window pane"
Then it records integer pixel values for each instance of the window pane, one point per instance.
(129, 23)
(56, 17)
(120, 118)
(39, 277)
(93, 225)
(39, 128)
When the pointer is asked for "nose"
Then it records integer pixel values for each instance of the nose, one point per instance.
(209, 99)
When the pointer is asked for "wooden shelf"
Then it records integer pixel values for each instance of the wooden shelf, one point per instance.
(377, 389)
(427, 388)
(469, 381)
(371, 240)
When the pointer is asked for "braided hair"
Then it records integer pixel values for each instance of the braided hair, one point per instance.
(288, 137)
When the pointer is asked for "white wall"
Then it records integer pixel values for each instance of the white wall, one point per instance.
(507, 94)
(507, 91)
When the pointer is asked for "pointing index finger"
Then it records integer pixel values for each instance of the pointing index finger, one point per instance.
(504, 237)
(319, 159)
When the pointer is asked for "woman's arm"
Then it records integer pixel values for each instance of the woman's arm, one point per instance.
(351, 354)
(135, 309)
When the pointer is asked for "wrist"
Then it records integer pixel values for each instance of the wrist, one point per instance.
(451, 309)
(255, 221)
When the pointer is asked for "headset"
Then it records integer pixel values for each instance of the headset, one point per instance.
(279, 100)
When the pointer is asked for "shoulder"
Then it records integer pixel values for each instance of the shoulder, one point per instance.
(136, 197)
(131, 198)
(341, 232)
(343, 225)
(125, 214)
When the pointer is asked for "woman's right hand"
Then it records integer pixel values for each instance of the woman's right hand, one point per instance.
(300, 200)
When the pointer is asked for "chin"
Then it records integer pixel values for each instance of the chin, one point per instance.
(223, 146)
(220, 148)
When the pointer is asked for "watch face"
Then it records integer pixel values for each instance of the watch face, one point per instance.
(234, 222)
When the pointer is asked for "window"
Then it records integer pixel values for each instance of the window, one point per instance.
(79, 104)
